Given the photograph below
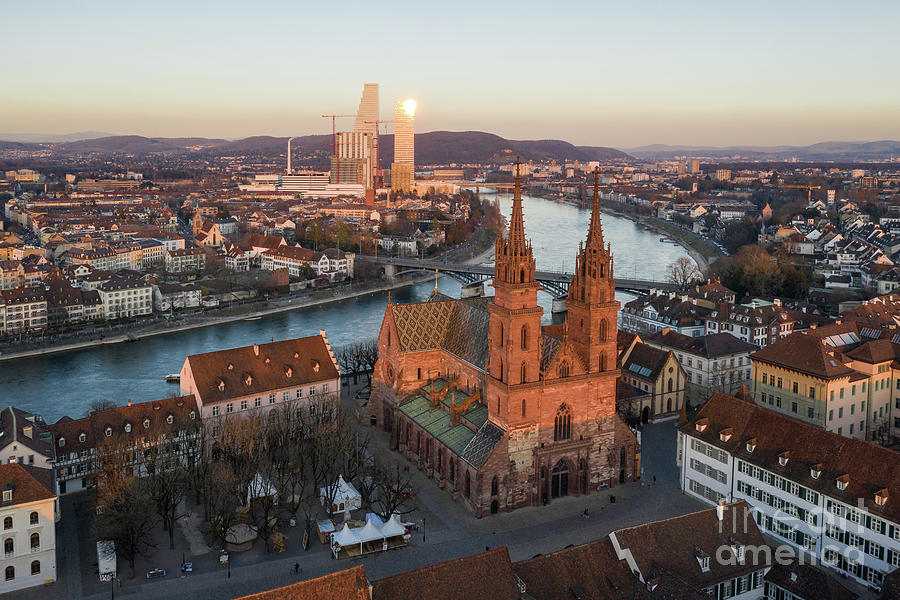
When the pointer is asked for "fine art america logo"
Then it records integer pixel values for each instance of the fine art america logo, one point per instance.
(842, 530)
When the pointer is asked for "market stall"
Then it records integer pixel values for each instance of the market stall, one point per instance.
(341, 496)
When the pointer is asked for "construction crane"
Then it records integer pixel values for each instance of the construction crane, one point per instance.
(377, 123)
(334, 141)
(808, 188)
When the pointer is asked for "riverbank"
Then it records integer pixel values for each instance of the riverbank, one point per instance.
(274, 306)
(698, 249)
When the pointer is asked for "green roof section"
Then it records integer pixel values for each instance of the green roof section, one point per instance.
(437, 422)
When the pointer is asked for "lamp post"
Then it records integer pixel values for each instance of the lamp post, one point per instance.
(423, 529)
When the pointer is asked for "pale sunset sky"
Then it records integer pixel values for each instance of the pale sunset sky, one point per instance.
(601, 73)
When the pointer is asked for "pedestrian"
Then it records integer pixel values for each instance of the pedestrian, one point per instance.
(296, 568)
(654, 479)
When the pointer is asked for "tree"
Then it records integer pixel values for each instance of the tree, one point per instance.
(166, 479)
(394, 490)
(314, 233)
(342, 235)
(682, 273)
(100, 404)
(128, 519)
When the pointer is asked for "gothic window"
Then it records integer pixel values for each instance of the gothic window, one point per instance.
(389, 338)
(495, 486)
(670, 385)
(524, 372)
(468, 485)
(523, 409)
(562, 425)
(452, 471)
(522, 276)
(500, 377)
(500, 340)
(603, 330)
(524, 337)
(563, 369)
(602, 361)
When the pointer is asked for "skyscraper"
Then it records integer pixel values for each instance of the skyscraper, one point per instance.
(368, 110)
(404, 145)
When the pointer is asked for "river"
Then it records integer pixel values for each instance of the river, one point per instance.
(66, 384)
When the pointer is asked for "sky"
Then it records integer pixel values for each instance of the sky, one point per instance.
(603, 73)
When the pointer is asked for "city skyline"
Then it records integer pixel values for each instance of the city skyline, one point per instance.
(691, 74)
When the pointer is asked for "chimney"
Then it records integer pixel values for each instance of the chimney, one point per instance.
(255, 349)
(720, 510)
(129, 402)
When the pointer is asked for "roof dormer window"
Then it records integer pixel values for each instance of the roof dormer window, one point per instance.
(296, 355)
(221, 385)
(751, 445)
(82, 437)
(783, 458)
(108, 431)
(268, 360)
(815, 471)
(726, 434)
(62, 442)
(248, 379)
(146, 423)
(170, 419)
(193, 415)
(231, 366)
(288, 372)
(881, 497)
(702, 559)
(127, 427)
(701, 425)
(842, 482)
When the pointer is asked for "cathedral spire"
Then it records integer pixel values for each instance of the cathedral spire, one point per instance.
(595, 232)
(517, 241)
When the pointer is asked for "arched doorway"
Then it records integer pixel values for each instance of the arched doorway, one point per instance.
(494, 507)
(559, 481)
(645, 414)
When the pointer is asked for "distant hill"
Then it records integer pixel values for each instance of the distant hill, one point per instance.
(825, 151)
(436, 147)
(52, 138)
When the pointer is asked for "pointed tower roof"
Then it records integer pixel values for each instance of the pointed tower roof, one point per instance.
(595, 232)
(517, 242)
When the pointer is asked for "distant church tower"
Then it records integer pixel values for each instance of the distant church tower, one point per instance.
(515, 329)
(592, 305)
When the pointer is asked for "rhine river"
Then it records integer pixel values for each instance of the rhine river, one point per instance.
(66, 383)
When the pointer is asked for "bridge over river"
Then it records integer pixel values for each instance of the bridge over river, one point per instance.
(553, 282)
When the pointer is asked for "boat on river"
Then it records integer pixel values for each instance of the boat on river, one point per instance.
(173, 378)
(253, 318)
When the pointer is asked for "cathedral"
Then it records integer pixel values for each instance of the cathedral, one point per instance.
(500, 410)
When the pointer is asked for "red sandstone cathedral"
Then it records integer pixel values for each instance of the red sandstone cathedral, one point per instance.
(502, 411)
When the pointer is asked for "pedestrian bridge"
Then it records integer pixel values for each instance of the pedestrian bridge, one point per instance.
(553, 282)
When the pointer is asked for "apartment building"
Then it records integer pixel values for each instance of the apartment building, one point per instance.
(22, 310)
(262, 377)
(825, 495)
(829, 377)
(186, 260)
(659, 375)
(170, 424)
(758, 322)
(29, 512)
(717, 362)
(25, 439)
(12, 274)
(125, 297)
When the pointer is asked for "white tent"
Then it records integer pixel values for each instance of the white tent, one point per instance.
(345, 537)
(369, 533)
(345, 497)
(261, 488)
(393, 527)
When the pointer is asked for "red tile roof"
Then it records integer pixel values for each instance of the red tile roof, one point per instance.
(804, 353)
(349, 584)
(261, 368)
(29, 484)
(487, 575)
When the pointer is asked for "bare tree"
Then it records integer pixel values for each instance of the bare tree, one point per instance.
(395, 491)
(128, 519)
(222, 497)
(682, 273)
(166, 474)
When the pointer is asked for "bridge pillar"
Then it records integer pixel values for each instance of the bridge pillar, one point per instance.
(390, 272)
(473, 290)
(559, 305)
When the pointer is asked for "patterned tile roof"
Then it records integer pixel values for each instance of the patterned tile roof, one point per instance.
(458, 326)
(482, 443)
